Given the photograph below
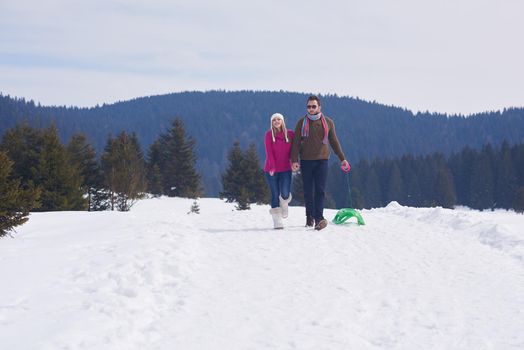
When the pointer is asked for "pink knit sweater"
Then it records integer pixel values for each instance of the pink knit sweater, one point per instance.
(278, 153)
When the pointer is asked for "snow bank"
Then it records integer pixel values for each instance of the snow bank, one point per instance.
(157, 278)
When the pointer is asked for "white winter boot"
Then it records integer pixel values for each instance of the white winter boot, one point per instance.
(276, 213)
(284, 205)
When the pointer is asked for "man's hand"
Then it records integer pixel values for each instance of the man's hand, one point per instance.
(295, 166)
(344, 165)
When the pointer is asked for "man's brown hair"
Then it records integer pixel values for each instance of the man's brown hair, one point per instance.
(313, 98)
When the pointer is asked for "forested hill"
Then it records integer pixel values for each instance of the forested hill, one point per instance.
(216, 118)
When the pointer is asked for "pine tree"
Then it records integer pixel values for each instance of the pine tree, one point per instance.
(15, 202)
(482, 180)
(518, 202)
(195, 208)
(109, 163)
(395, 188)
(155, 181)
(373, 195)
(243, 180)
(23, 144)
(426, 174)
(243, 202)
(60, 179)
(232, 179)
(461, 165)
(517, 157)
(445, 193)
(357, 182)
(100, 199)
(83, 156)
(336, 189)
(124, 171)
(357, 199)
(40, 160)
(411, 181)
(174, 156)
(505, 178)
(256, 183)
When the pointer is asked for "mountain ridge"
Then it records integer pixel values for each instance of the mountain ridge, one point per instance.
(215, 119)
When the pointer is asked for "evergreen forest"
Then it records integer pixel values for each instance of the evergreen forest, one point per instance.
(216, 119)
(53, 158)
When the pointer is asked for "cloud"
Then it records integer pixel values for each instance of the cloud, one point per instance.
(443, 56)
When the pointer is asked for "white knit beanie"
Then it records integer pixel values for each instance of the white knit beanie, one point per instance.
(274, 116)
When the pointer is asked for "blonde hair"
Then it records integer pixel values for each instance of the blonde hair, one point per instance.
(273, 131)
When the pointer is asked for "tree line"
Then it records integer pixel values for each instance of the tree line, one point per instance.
(492, 177)
(366, 129)
(39, 173)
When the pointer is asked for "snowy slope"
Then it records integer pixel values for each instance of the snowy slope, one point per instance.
(157, 278)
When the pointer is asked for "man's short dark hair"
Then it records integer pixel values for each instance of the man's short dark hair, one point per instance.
(313, 98)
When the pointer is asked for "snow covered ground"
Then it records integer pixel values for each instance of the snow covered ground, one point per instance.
(158, 278)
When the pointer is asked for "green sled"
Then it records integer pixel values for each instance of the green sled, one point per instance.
(345, 214)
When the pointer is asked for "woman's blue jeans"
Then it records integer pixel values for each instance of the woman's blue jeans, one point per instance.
(280, 185)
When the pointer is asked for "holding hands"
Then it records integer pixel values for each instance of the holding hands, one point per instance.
(344, 165)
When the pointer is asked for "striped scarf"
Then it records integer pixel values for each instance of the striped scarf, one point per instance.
(305, 125)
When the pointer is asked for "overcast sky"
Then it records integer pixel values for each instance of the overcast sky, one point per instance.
(450, 56)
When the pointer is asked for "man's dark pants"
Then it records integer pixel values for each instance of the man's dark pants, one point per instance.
(314, 176)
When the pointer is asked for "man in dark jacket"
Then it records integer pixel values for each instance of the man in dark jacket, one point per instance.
(312, 135)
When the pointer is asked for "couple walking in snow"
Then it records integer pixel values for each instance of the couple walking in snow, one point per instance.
(309, 141)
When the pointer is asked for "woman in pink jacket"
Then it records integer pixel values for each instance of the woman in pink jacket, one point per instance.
(277, 168)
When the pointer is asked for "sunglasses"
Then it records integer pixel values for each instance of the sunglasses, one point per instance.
(311, 106)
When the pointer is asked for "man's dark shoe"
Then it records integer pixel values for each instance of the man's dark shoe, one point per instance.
(320, 224)
(310, 222)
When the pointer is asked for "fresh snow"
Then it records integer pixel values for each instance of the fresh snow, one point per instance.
(159, 278)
